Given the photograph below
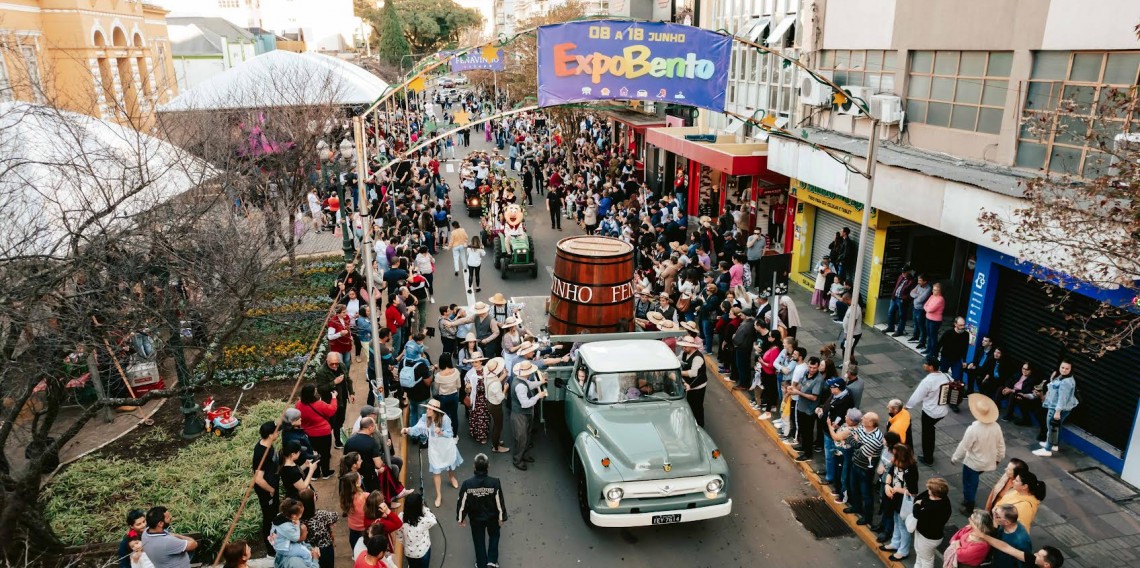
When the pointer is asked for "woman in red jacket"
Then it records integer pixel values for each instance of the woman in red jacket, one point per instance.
(315, 416)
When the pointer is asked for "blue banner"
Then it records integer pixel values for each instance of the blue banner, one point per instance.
(650, 61)
(476, 60)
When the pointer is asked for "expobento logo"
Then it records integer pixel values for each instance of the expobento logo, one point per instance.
(634, 61)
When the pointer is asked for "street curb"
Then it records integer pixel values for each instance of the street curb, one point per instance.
(806, 470)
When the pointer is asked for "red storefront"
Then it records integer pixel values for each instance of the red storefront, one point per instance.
(724, 169)
(629, 133)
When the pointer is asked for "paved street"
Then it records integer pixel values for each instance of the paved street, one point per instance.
(545, 528)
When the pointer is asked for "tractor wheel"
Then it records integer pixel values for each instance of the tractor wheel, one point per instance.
(534, 271)
(217, 432)
(495, 252)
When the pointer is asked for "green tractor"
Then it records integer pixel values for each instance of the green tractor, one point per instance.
(515, 254)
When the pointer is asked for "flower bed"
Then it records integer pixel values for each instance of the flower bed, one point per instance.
(202, 486)
(274, 342)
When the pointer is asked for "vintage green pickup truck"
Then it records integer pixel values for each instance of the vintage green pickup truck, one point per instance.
(638, 456)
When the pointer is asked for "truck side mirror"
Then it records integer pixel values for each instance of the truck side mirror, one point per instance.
(571, 386)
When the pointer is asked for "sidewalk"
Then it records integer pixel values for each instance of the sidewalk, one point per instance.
(1089, 528)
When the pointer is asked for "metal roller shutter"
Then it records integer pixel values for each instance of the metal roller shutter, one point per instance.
(1109, 387)
(826, 225)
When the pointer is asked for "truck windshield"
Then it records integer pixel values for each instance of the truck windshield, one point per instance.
(611, 388)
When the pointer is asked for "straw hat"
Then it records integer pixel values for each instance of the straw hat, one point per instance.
(525, 369)
(432, 404)
(655, 317)
(495, 366)
(479, 357)
(983, 408)
(690, 326)
(498, 299)
(666, 325)
(470, 337)
(689, 342)
(480, 308)
(510, 322)
(527, 347)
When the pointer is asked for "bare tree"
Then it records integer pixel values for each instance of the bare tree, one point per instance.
(108, 231)
(1084, 221)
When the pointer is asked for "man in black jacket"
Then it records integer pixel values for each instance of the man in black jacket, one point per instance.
(481, 501)
(951, 351)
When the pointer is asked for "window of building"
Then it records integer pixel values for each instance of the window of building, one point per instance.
(863, 68)
(959, 89)
(1070, 113)
(32, 68)
(5, 82)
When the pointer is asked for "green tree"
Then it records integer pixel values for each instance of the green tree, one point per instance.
(387, 23)
(426, 25)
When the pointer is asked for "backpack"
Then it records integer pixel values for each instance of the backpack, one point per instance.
(408, 374)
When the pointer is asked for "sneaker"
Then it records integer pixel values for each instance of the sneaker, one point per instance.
(841, 500)
(1042, 452)
(433, 300)
(778, 423)
(898, 334)
(766, 416)
(1044, 445)
(754, 406)
(1055, 449)
(788, 441)
(802, 458)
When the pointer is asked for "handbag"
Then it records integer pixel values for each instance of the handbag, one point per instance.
(911, 523)
(906, 510)
(442, 452)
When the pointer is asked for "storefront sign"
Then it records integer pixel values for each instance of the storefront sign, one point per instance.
(591, 294)
(475, 60)
(651, 61)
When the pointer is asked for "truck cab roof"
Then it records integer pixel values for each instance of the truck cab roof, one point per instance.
(628, 355)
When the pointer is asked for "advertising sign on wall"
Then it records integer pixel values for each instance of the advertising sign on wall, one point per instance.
(650, 61)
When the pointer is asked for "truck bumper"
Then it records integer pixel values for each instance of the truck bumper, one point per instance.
(646, 519)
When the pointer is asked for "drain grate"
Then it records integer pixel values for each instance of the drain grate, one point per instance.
(818, 518)
(1106, 484)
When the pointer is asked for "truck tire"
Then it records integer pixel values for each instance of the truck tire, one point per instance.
(495, 252)
(583, 495)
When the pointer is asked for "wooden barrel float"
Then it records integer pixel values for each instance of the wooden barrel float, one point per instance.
(592, 288)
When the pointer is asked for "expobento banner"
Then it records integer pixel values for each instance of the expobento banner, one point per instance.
(478, 60)
(616, 59)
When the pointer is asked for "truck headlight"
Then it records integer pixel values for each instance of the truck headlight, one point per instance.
(613, 497)
(712, 488)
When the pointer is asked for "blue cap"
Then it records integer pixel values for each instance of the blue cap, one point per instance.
(837, 383)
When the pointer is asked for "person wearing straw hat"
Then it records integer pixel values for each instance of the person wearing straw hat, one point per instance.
(443, 452)
(486, 329)
(495, 380)
(523, 400)
(468, 352)
(500, 309)
(982, 448)
(528, 351)
(511, 337)
(694, 375)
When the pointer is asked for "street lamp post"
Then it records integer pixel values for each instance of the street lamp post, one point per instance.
(347, 245)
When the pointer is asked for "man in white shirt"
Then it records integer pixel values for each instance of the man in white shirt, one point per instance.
(927, 395)
(799, 356)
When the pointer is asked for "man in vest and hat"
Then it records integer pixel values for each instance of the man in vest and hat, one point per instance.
(694, 375)
(486, 329)
(525, 395)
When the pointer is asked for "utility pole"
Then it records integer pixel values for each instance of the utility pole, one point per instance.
(370, 278)
(869, 174)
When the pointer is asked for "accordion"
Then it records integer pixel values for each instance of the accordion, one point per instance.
(952, 393)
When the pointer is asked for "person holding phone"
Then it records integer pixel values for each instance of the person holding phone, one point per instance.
(295, 477)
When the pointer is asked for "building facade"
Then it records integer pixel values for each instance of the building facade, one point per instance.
(106, 58)
(204, 47)
(328, 25)
(954, 92)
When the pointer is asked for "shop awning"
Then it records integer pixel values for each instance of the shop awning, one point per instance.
(724, 155)
(635, 120)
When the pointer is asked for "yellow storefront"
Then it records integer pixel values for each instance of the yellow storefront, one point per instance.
(819, 216)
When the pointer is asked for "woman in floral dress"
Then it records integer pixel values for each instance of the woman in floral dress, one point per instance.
(479, 423)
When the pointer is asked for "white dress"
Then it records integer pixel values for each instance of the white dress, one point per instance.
(447, 437)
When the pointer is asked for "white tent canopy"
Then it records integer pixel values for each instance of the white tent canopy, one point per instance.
(58, 168)
(282, 79)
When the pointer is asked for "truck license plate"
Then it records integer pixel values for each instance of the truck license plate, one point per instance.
(666, 519)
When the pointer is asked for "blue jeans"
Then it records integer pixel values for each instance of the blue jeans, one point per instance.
(449, 403)
(845, 470)
(862, 498)
(900, 538)
(932, 335)
(744, 366)
(919, 326)
(969, 485)
(485, 536)
(707, 334)
(953, 367)
(424, 562)
(830, 464)
(1053, 433)
(896, 314)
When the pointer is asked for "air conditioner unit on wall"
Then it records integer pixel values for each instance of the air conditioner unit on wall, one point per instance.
(856, 95)
(887, 108)
(813, 93)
